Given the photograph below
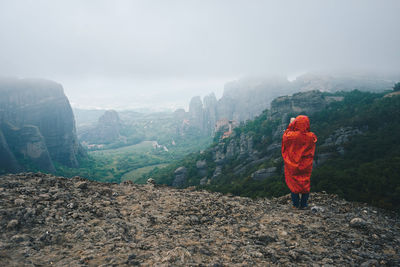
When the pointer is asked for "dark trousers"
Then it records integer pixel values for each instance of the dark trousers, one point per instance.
(300, 202)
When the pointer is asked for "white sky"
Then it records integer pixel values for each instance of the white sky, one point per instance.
(131, 54)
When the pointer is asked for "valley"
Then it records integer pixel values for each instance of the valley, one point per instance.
(199, 133)
(217, 145)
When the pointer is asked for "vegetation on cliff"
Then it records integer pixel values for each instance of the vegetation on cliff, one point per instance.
(362, 166)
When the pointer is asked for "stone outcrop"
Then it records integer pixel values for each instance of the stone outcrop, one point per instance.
(303, 103)
(106, 131)
(196, 114)
(241, 147)
(210, 113)
(341, 136)
(300, 103)
(246, 98)
(201, 166)
(180, 177)
(42, 116)
(335, 143)
(241, 100)
(263, 174)
(8, 162)
(29, 144)
(47, 220)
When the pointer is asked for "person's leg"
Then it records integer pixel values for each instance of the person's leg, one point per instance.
(303, 201)
(295, 200)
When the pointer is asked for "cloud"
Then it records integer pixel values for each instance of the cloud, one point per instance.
(137, 44)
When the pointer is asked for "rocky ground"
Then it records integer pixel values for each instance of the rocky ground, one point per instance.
(47, 220)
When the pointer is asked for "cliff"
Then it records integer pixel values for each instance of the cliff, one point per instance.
(300, 103)
(40, 124)
(28, 143)
(47, 220)
(107, 130)
(241, 100)
(240, 147)
(357, 151)
(246, 98)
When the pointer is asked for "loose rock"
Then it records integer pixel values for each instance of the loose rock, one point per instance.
(74, 222)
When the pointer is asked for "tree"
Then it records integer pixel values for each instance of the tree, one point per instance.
(396, 87)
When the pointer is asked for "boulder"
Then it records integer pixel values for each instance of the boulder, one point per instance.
(180, 177)
(358, 223)
(151, 181)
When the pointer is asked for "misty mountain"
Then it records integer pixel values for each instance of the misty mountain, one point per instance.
(242, 100)
(357, 151)
(37, 126)
(107, 129)
(246, 98)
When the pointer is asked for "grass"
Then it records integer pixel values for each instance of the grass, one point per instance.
(143, 147)
(137, 173)
(130, 162)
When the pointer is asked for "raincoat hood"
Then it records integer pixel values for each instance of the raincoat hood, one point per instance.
(302, 124)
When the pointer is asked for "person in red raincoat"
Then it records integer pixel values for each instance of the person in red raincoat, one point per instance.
(298, 148)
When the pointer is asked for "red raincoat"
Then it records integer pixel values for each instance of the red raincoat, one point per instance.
(298, 148)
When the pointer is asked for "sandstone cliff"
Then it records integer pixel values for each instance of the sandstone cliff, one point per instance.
(47, 220)
(43, 122)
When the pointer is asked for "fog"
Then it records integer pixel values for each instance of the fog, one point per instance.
(130, 54)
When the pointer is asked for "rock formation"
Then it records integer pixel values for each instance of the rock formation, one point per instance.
(242, 100)
(210, 113)
(300, 103)
(241, 148)
(47, 220)
(284, 107)
(180, 177)
(106, 131)
(201, 166)
(246, 98)
(39, 115)
(28, 143)
(196, 113)
(264, 173)
(8, 162)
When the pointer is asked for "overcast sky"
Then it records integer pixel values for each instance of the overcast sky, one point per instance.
(141, 53)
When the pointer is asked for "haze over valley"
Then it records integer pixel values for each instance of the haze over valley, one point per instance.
(150, 132)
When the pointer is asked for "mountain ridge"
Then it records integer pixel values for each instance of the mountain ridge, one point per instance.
(356, 151)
